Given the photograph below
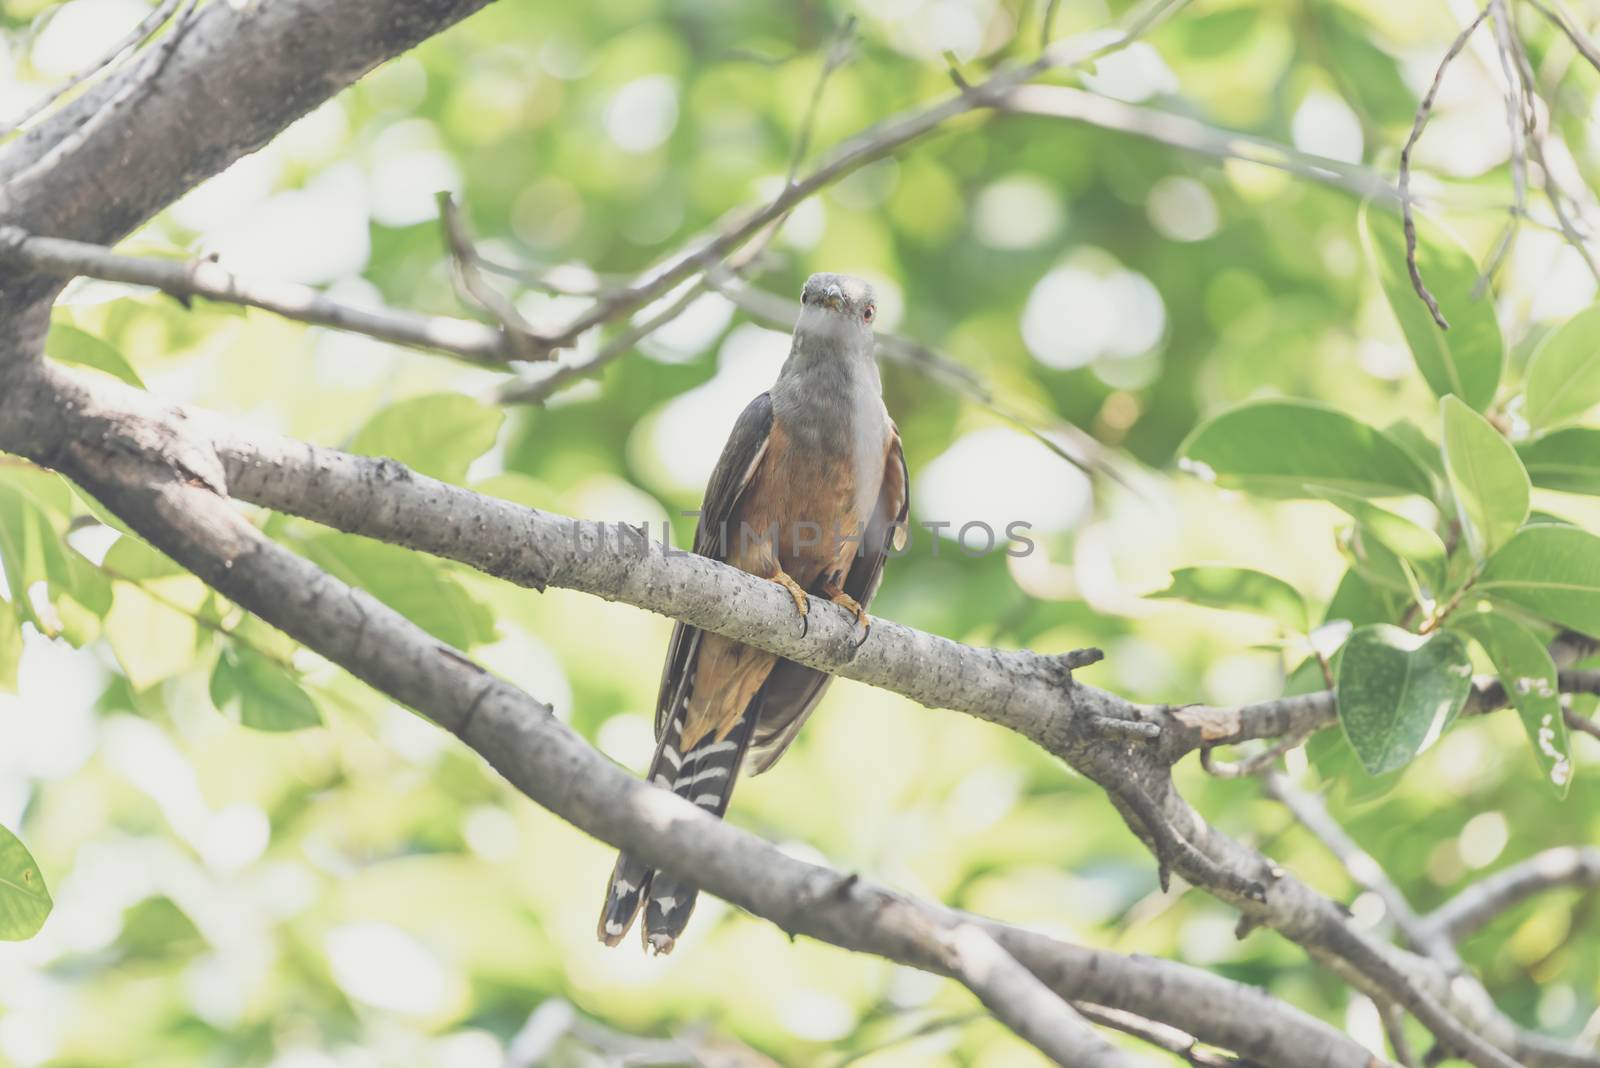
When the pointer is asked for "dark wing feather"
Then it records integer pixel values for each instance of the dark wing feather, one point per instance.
(793, 690)
(740, 456)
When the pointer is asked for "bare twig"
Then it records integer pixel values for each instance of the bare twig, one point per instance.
(473, 289)
(1520, 121)
(1535, 141)
(867, 147)
(537, 390)
(1586, 48)
(1191, 135)
(1394, 1029)
(1047, 24)
(1021, 1001)
(1168, 1039)
(1424, 110)
(462, 338)
(1255, 763)
(1488, 898)
(130, 40)
(837, 55)
(1367, 873)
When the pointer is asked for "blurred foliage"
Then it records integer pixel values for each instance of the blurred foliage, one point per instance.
(232, 891)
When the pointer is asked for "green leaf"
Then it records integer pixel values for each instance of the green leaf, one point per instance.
(1397, 691)
(151, 640)
(24, 900)
(10, 645)
(1241, 590)
(1567, 460)
(439, 434)
(1564, 372)
(1552, 571)
(419, 588)
(263, 692)
(70, 345)
(1409, 541)
(1529, 677)
(132, 560)
(1464, 360)
(1486, 477)
(1283, 448)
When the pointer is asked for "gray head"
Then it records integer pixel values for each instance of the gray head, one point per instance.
(834, 334)
(838, 308)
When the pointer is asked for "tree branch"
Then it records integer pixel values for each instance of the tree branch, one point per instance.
(1022, 1002)
(464, 339)
(1504, 890)
(1364, 870)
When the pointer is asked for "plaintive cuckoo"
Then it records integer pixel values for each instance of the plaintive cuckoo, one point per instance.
(810, 492)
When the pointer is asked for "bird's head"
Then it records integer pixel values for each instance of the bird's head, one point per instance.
(837, 303)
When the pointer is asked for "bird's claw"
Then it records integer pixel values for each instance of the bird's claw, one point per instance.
(802, 600)
(866, 629)
(851, 605)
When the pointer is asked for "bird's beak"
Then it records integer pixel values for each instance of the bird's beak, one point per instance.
(834, 298)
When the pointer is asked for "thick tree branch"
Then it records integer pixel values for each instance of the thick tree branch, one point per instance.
(464, 339)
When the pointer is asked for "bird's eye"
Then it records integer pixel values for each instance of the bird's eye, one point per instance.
(869, 313)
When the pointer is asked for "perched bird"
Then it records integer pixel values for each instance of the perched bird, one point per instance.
(810, 492)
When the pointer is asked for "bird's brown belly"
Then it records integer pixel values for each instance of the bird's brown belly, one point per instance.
(800, 514)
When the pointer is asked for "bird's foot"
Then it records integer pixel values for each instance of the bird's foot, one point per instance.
(851, 605)
(802, 600)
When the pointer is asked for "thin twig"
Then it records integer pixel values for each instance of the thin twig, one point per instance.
(1394, 1029)
(868, 147)
(1586, 48)
(1367, 873)
(1255, 763)
(1168, 1039)
(537, 390)
(1424, 110)
(1520, 121)
(473, 289)
(462, 338)
(1494, 895)
(837, 55)
(1047, 24)
(1021, 1001)
(1554, 192)
(131, 40)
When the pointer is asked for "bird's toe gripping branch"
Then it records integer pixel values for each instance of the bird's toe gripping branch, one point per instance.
(833, 591)
(802, 600)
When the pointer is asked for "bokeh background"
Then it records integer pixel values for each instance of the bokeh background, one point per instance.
(365, 892)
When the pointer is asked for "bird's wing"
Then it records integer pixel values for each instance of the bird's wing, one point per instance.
(735, 468)
(793, 690)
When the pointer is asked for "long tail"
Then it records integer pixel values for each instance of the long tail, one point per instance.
(705, 776)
